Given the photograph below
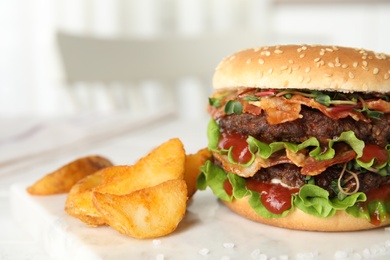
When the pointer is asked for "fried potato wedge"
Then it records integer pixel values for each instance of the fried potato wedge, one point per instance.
(62, 179)
(79, 200)
(147, 213)
(191, 172)
(166, 162)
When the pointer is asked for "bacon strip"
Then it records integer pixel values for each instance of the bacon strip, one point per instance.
(329, 112)
(280, 109)
(378, 105)
(309, 166)
(314, 167)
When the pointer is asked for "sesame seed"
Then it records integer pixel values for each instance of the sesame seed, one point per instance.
(335, 48)
(256, 49)
(289, 70)
(365, 68)
(299, 49)
(337, 60)
(328, 75)
(317, 59)
(278, 51)
(307, 69)
(291, 61)
(329, 49)
(302, 55)
(232, 57)
(375, 71)
(261, 61)
(296, 67)
(386, 76)
(365, 63)
(283, 67)
(320, 63)
(308, 79)
(344, 66)
(322, 52)
(355, 64)
(266, 53)
(331, 64)
(351, 75)
(381, 56)
(304, 47)
(270, 71)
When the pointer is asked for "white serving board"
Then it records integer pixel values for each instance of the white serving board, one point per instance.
(208, 231)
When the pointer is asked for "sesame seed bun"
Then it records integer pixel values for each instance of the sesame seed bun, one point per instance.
(327, 68)
(299, 220)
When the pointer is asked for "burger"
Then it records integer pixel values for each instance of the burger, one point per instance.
(299, 136)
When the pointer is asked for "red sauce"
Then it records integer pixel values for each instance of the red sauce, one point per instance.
(240, 150)
(227, 186)
(381, 194)
(275, 198)
(371, 151)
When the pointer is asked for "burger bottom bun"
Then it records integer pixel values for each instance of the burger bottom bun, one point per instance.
(299, 220)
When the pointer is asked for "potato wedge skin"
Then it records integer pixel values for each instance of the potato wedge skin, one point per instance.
(62, 179)
(147, 213)
(166, 162)
(192, 171)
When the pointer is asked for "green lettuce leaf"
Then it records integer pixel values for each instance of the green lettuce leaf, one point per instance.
(311, 199)
(214, 177)
(213, 135)
(239, 185)
(265, 150)
(314, 200)
(348, 137)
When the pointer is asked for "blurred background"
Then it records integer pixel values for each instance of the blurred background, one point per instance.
(65, 57)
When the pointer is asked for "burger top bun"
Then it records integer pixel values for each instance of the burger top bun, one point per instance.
(331, 68)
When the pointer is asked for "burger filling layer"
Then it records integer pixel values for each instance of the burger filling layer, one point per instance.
(318, 151)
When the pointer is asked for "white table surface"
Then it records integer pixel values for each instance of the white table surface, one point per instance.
(31, 148)
(38, 146)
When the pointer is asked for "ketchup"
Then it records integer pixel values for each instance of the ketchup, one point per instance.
(275, 198)
(240, 149)
(227, 186)
(381, 194)
(372, 151)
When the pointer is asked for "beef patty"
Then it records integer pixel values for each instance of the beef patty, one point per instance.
(290, 174)
(313, 123)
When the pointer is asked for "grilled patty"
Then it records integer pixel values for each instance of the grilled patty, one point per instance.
(290, 175)
(313, 123)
